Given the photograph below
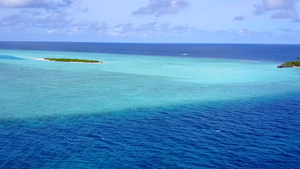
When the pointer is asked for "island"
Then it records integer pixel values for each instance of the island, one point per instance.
(290, 64)
(72, 60)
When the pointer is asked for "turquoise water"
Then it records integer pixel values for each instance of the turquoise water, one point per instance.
(35, 88)
(147, 111)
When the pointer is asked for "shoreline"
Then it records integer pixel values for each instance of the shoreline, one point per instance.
(41, 59)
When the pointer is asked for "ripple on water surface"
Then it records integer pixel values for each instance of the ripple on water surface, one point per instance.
(215, 134)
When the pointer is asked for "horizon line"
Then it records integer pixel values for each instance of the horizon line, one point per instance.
(204, 43)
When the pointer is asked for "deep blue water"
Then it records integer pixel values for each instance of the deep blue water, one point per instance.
(258, 133)
(270, 52)
(249, 132)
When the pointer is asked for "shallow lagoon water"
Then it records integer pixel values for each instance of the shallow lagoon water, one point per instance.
(130, 82)
(147, 111)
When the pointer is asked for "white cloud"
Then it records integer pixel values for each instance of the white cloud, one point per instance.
(92, 27)
(52, 31)
(20, 3)
(239, 18)
(162, 7)
(269, 5)
(278, 4)
(53, 5)
(244, 32)
(145, 30)
(73, 31)
(286, 14)
(281, 9)
(123, 30)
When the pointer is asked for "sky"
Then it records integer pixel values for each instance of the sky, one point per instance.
(151, 21)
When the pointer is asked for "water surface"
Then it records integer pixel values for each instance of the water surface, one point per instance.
(149, 110)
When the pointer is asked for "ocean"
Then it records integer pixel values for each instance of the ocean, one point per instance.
(149, 106)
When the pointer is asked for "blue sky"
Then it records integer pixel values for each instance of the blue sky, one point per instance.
(151, 21)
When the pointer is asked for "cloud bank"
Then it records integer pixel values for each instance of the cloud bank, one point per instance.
(279, 4)
(37, 15)
(283, 9)
(162, 7)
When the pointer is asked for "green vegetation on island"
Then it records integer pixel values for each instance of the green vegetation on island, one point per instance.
(293, 63)
(290, 64)
(73, 60)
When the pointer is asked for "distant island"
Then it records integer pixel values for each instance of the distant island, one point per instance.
(73, 60)
(290, 64)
